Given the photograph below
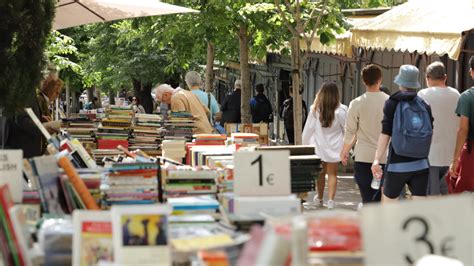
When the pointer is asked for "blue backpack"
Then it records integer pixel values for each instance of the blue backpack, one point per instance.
(412, 129)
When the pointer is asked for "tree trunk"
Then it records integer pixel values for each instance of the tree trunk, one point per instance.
(244, 74)
(75, 102)
(68, 100)
(112, 97)
(143, 92)
(98, 95)
(297, 84)
(210, 67)
(90, 94)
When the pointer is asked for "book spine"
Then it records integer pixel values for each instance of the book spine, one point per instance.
(78, 184)
(8, 228)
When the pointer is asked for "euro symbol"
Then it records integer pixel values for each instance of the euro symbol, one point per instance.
(270, 179)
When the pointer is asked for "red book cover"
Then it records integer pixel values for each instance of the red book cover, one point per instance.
(6, 203)
(111, 143)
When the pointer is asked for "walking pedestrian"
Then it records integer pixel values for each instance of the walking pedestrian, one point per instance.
(324, 129)
(260, 107)
(286, 113)
(442, 100)
(363, 126)
(407, 124)
(462, 167)
(231, 105)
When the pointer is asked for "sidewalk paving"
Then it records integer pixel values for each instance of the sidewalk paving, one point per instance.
(347, 195)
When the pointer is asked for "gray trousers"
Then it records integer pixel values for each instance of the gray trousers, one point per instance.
(436, 183)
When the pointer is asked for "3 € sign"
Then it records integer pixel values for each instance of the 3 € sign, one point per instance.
(262, 173)
(402, 233)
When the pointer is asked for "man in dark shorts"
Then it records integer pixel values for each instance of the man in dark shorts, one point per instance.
(401, 170)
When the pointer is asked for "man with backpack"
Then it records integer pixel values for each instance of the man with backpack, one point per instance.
(260, 107)
(462, 167)
(287, 114)
(408, 123)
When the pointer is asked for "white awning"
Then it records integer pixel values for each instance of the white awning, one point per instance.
(340, 46)
(70, 13)
(425, 26)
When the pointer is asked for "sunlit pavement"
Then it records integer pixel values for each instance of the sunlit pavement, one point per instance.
(347, 195)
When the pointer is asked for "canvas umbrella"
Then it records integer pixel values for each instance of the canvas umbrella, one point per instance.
(70, 13)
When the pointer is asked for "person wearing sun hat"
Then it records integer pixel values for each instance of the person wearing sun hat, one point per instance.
(401, 170)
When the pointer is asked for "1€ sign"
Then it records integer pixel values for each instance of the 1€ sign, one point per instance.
(262, 173)
(402, 233)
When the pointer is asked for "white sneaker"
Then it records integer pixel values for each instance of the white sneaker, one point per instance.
(331, 204)
(359, 206)
(317, 202)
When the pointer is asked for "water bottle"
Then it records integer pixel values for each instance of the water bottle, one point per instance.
(375, 183)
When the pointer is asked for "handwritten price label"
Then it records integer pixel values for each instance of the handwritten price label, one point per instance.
(402, 233)
(262, 173)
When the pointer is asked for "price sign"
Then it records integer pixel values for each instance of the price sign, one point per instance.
(262, 173)
(11, 172)
(402, 233)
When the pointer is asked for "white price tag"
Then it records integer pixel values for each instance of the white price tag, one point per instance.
(402, 233)
(11, 172)
(262, 173)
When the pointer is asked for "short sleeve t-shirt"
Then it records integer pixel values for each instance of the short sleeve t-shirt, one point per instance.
(465, 108)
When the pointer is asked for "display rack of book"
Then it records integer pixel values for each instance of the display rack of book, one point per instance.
(130, 183)
(146, 134)
(181, 181)
(179, 125)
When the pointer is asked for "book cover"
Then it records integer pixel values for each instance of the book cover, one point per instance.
(22, 232)
(92, 240)
(47, 171)
(140, 235)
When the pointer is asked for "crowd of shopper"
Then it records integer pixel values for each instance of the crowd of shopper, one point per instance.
(402, 140)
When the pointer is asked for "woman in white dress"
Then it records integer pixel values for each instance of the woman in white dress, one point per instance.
(324, 129)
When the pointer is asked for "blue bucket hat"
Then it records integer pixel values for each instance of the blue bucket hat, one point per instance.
(408, 77)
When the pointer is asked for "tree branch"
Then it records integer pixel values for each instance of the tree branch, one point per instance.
(313, 33)
(318, 21)
(283, 16)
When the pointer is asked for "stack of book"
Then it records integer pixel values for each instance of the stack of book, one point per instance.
(194, 205)
(146, 133)
(174, 149)
(103, 155)
(83, 129)
(131, 183)
(179, 125)
(245, 139)
(181, 181)
(210, 139)
(114, 130)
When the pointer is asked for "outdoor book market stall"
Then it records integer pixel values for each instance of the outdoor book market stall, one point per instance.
(233, 204)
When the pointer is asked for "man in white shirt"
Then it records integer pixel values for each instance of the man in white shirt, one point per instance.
(443, 101)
